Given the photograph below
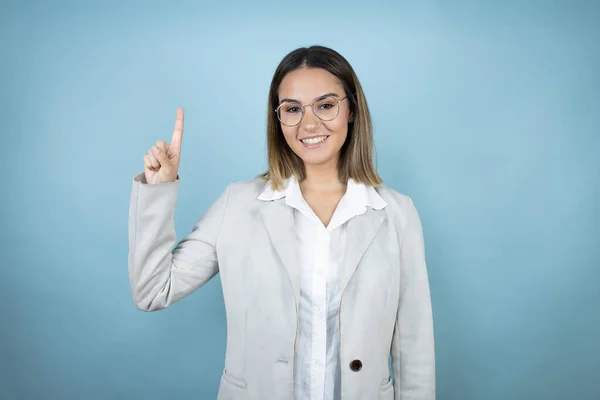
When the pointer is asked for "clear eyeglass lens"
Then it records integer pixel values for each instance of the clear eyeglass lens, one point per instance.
(290, 113)
(327, 108)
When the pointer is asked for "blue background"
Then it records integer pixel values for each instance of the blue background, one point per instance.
(486, 113)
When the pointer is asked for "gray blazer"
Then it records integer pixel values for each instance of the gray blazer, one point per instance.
(385, 307)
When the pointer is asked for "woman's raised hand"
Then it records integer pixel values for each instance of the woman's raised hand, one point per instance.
(161, 163)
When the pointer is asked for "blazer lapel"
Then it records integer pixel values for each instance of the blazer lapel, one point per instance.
(361, 231)
(279, 221)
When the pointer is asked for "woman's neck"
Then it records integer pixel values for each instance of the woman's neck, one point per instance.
(321, 178)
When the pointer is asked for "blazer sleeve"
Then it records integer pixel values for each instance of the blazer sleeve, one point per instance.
(160, 272)
(413, 355)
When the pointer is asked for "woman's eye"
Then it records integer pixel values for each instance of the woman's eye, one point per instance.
(326, 106)
(292, 109)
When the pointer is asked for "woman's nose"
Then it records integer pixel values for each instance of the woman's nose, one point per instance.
(310, 121)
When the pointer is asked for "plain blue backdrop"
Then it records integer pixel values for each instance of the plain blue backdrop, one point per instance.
(487, 113)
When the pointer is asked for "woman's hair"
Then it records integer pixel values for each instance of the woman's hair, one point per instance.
(356, 159)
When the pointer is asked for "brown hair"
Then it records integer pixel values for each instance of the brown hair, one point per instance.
(356, 160)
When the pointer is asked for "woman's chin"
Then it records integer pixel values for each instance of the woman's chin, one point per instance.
(314, 160)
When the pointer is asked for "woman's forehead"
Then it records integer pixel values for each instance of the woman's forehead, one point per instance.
(305, 85)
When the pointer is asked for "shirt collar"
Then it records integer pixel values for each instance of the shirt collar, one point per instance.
(357, 194)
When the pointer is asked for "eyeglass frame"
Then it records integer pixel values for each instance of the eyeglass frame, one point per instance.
(311, 107)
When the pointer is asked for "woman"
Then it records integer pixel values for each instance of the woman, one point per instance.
(322, 267)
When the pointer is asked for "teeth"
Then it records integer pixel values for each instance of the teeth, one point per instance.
(314, 140)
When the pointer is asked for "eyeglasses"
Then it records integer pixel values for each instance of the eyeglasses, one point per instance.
(327, 108)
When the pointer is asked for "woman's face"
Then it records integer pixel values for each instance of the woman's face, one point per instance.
(315, 141)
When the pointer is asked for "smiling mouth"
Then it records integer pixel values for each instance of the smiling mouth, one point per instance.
(314, 140)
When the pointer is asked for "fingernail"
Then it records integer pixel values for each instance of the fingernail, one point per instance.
(155, 149)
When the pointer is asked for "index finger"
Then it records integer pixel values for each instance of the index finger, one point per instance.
(177, 132)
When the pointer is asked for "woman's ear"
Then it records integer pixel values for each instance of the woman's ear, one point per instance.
(350, 117)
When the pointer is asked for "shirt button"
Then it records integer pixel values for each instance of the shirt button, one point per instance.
(356, 365)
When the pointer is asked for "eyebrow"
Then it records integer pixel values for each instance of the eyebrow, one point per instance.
(318, 98)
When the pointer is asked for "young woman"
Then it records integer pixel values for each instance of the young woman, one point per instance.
(322, 267)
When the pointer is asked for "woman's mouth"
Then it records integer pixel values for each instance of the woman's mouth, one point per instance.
(314, 141)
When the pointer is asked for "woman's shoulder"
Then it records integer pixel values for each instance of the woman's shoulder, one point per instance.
(397, 201)
(392, 196)
(245, 191)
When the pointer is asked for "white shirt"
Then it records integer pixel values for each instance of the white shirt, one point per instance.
(321, 251)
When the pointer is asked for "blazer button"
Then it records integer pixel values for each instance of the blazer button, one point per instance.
(356, 365)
